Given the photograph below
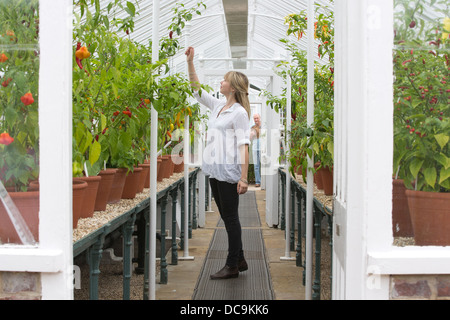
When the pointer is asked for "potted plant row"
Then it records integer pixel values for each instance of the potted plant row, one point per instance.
(317, 139)
(114, 83)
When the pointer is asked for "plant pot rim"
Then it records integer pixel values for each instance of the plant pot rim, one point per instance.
(427, 194)
(108, 171)
(88, 178)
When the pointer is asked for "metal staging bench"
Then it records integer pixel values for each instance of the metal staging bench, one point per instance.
(297, 214)
(92, 245)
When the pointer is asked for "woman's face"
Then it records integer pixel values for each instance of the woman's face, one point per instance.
(225, 87)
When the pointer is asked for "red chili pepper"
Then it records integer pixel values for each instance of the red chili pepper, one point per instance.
(6, 139)
(170, 34)
(405, 62)
(79, 63)
(27, 99)
(128, 113)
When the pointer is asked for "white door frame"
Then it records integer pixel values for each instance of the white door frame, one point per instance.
(363, 142)
(270, 141)
(53, 256)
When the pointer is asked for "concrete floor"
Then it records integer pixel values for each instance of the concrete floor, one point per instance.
(286, 277)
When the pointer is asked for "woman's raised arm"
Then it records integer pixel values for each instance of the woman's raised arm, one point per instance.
(193, 78)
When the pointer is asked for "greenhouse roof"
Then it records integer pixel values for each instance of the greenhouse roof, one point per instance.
(246, 32)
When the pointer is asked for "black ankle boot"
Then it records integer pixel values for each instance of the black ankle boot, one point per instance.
(242, 265)
(226, 273)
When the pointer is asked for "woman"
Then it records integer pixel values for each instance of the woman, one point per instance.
(225, 157)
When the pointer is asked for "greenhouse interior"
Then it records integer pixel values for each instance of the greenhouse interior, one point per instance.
(129, 170)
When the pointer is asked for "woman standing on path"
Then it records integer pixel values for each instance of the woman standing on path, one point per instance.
(226, 158)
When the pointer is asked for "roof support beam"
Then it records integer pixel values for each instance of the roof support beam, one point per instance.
(236, 14)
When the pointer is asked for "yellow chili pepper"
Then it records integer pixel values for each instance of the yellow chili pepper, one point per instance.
(177, 119)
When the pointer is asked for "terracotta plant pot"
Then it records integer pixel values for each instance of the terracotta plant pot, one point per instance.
(178, 162)
(430, 217)
(117, 185)
(401, 219)
(162, 170)
(169, 167)
(145, 174)
(131, 183)
(90, 196)
(79, 190)
(104, 189)
(327, 180)
(28, 205)
(158, 168)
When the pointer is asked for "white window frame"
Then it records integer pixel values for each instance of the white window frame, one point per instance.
(365, 92)
(53, 255)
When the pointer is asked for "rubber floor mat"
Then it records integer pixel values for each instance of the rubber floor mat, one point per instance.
(253, 284)
(248, 211)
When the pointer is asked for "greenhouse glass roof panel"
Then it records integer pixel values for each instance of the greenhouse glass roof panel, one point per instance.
(248, 32)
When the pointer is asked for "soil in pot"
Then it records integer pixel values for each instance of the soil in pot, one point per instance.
(430, 217)
(28, 205)
(131, 183)
(104, 189)
(117, 185)
(401, 219)
(90, 195)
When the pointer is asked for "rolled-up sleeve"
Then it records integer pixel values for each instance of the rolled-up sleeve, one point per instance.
(207, 99)
(242, 128)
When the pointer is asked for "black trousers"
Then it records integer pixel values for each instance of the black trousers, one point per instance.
(227, 200)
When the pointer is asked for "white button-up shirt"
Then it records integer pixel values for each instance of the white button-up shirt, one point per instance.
(226, 133)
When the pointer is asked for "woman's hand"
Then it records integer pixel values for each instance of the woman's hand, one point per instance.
(242, 187)
(190, 52)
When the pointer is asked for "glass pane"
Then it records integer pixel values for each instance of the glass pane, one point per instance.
(19, 129)
(421, 121)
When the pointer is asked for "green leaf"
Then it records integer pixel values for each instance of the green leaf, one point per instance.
(103, 121)
(114, 88)
(444, 175)
(430, 176)
(442, 139)
(174, 95)
(415, 166)
(443, 160)
(94, 152)
(330, 147)
(131, 9)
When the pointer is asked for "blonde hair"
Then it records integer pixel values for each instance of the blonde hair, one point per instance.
(240, 83)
